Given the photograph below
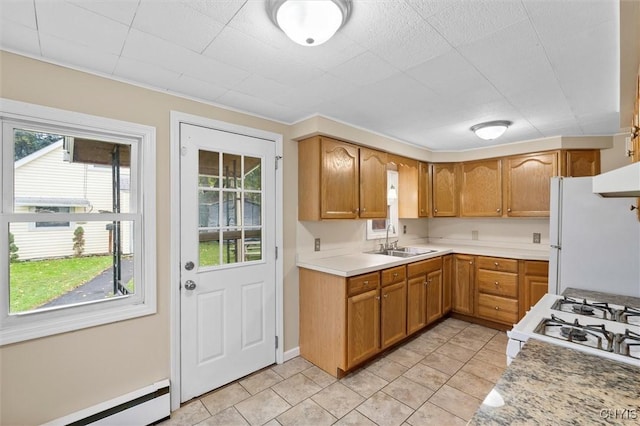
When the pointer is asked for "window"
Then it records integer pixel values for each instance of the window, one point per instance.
(377, 228)
(77, 222)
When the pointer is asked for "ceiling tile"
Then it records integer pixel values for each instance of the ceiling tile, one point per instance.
(177, 23)
(143, 47)
(77, 55)
(394, 32)
(122, 11)
(473, 20)
(19, 38)
(197, 88)
(77, 25)
(147, 74)
(219, 10)
(427, 8)
(19, 12)
(259, 56)
(258, 106)
(258, 86)
(351, 70)
(451, 75)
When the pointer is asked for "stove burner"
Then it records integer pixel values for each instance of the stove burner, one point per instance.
(574, 334)
(583, 309)
(628, 315)
(628, 344)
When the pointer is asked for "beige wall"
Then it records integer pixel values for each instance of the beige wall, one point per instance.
(51, 377)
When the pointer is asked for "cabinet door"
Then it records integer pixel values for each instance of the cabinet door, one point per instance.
(584, 162)
(363, 326)
(339, 180)
(447, 278)
(393, 313)
(444, 190)
(408, 187)
(423, 190)
(535, 283)
(416, 309)
(527, 183)
(373, 184)
(463, 284)
(481, 189)
(434, 296)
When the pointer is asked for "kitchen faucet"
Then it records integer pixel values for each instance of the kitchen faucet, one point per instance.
(388, 246)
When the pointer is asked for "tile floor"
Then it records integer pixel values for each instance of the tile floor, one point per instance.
(439, 377)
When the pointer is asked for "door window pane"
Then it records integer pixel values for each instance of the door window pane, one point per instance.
(230, 208)
(252, 173)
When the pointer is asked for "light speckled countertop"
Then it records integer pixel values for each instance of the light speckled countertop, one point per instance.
(348, 265)
(548, 384)
(597, 296)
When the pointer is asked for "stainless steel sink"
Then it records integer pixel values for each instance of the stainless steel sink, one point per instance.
(403, 251)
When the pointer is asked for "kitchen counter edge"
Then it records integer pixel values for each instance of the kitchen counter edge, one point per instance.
(362, 263)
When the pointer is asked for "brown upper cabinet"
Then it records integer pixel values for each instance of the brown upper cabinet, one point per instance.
(424, 190)
(481, 188)
(527, 183)
(444, 189)
(339, 180)
(583, 162)
(408, 186)
(373, 176)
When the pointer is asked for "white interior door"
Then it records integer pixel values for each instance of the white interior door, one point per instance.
(228, 302)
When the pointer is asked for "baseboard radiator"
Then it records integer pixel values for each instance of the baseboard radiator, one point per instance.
(141, 407)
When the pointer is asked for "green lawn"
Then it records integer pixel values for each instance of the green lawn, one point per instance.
(37, 282)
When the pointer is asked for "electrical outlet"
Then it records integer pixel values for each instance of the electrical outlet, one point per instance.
(536, 237)
(404, 229)
(317, 244)
(474, 235)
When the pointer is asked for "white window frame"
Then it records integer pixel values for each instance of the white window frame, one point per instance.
(40, 323)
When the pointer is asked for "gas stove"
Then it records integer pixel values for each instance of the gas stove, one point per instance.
(599, 328)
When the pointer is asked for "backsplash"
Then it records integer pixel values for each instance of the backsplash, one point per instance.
(490, 230)
(338, 237)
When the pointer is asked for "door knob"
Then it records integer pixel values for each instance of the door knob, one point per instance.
(190, 285)
(189, 266)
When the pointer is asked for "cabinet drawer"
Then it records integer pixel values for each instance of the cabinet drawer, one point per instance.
(394, 275)
(498, 283)
(498, 264)
(424, 267)
(498, 308)
(356, 285)
(538, 268)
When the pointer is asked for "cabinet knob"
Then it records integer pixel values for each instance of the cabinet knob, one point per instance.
(509, 209)
(366, 283)
(395, 275)
(385, 296)
(364, 209)
(497, 284)
(497, 308)
(470, 262)
(421, 210)
(498, 210)
(496, 263)
(378, 298)
(425, 283)
(435, 210)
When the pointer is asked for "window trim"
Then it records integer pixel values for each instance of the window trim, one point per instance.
(21, 327)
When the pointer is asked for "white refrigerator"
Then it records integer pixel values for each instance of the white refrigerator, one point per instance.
(595, 241)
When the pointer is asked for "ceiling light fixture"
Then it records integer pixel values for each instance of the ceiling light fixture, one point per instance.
(309, 22)
(491, 129)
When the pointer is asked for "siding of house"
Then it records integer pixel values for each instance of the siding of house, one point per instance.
(48, 176)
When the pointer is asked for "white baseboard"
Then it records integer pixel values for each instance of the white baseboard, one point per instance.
(141, 407)
(291, 353)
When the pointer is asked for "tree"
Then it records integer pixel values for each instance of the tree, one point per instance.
(27, 142)
(13, 249)
(78, 241)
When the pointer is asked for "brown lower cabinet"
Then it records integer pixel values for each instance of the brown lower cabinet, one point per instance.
(346, 321)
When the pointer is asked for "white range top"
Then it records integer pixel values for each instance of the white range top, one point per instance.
(348, 265)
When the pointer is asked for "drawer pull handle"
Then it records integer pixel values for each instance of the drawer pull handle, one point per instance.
(496, 263)
(395, 275)
(366, 283)
(497, 284)
(385, 296)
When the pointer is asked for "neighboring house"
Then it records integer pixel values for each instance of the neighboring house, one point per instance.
(45, 182)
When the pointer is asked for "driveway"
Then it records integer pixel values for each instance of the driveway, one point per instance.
(98, 288)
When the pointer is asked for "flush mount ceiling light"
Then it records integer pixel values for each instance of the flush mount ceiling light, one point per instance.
(491, 129)
(309, 22)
